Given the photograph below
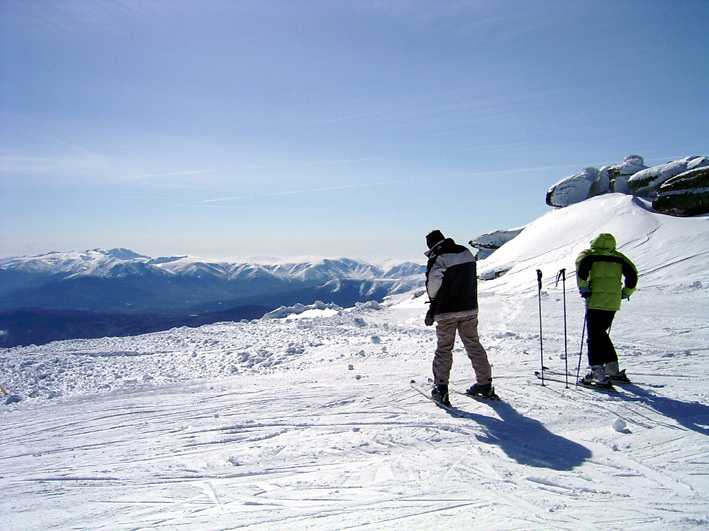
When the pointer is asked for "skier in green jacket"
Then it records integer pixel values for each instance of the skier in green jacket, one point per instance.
(599, 274)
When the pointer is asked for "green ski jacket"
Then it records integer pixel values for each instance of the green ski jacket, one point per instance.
(601, 268)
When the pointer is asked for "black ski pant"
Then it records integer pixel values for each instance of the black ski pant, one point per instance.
(600, 346)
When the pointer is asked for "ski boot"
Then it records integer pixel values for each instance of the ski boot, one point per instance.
(597, 378)
(611, 370)
(440, 395)
(482, 390)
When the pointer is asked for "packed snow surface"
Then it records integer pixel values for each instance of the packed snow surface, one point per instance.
(311, 421)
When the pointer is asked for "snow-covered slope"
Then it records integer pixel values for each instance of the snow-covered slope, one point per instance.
(311, 422)
(665, 249)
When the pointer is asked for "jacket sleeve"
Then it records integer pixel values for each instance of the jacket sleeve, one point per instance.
(435, 278)
(582, 271)
(630, 273)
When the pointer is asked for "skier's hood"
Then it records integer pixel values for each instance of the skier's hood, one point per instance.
(604, 242)
(439, 247)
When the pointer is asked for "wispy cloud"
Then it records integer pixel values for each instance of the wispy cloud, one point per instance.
(65, 164)
(309, 190)
(187, 173)
(408, 181)
(306, 163)
(174, 174)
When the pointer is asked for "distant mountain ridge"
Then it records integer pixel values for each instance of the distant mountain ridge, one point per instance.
(64, 295)
(122, 281)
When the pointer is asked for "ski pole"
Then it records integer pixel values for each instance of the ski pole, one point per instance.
(562, 274)
(3, 390)
(541, 340)
(583, 331)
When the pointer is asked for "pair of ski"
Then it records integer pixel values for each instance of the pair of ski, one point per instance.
(558, 377)
(452, 409)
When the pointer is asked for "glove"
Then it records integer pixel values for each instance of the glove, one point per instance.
(585, 292)
(625, 296)
(430, 313)
(429, 317)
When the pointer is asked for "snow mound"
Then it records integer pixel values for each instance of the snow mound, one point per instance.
(317, 309)
(664, 248)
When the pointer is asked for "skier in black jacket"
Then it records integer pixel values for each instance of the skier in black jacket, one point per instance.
(451, 283)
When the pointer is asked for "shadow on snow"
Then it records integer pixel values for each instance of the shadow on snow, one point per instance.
(526, 440)
(691, 415)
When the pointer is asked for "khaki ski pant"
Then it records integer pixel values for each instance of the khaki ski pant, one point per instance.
(467, 328)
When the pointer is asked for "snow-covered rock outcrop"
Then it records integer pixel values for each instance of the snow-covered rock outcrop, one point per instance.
(614, 178)
(686, 194)
(632, 177)
(573, 189)
(488, 243)
(647, 182)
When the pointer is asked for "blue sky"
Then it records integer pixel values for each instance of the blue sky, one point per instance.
(327, 128)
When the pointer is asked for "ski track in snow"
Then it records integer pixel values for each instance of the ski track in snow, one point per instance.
(333, 437)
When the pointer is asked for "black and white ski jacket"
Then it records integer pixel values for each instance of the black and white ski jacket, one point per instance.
(451, 280)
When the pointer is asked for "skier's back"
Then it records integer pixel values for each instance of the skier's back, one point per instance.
(600, 271)
(451, 283)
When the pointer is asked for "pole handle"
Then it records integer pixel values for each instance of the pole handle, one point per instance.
(561, 275)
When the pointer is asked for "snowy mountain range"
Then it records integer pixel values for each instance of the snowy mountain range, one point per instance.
(312, 419)
(124, 281)
(119, 292)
